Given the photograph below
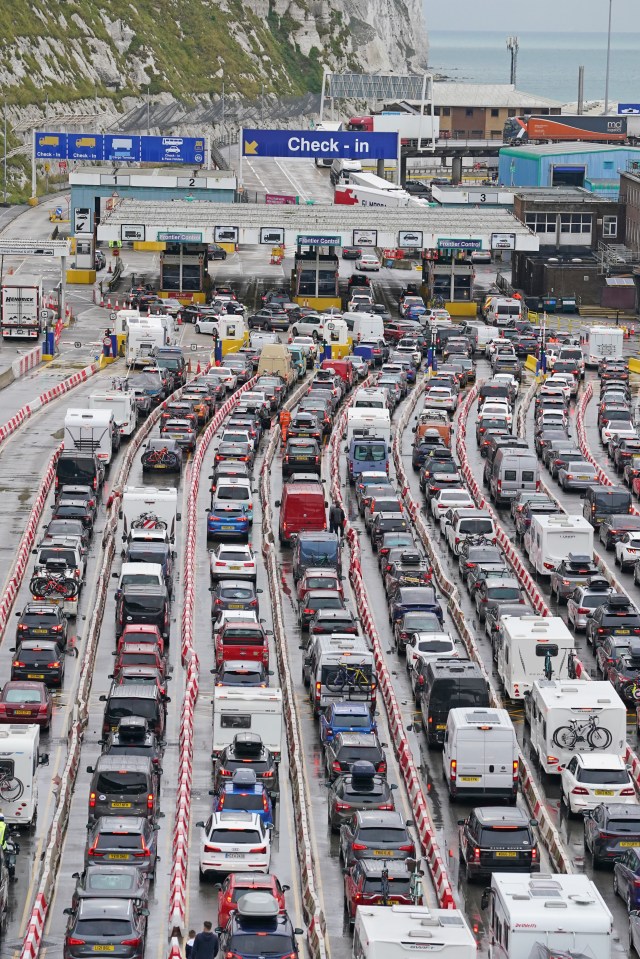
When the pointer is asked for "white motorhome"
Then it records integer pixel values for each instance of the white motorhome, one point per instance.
(167, 322)
(550, 539)
(372, 422)
(364, 326)
(123, 405)
(148, 510)
(142, 340)
(371, 398)
(124, 319)
(91, 431)
(391, 932)
(602, 343)
(19, 760)
(255, 710)
(573, 716)
(537, 917)
(522, 646)
(480, 755)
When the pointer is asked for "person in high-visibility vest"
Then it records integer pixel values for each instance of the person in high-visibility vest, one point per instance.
(285, 419)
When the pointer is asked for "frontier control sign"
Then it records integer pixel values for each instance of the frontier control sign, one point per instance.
(316, 143)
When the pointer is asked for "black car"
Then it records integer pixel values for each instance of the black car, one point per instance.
(301, 454)
(384, 523)
(610, 829)
(133, 738)
(80, 509)
(257, 927)
(474, 552)
(162, 455)
(143, 605)
(42, 621)
(269, 318)
(345, 749)
(326, 622)
(247, 751)
(617, 617)
(495, 839)
(362, 788)
(43, 660)
(99, 261)
(351, 252)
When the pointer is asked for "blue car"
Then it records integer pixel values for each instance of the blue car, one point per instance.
(405, 599)
(244, 793)
(344, 717)
(228, 522)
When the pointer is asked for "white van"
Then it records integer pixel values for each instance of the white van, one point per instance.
(551, 538)
(340, 170)
(91, 431)
(480, 756)
(391, 932)
(123, 405)
(19, 760)
(537, 917)
(502, 310)
(522, 644)
(253, 709)
(371, 398)
(512, 471)
(365, 326)
(573, 716)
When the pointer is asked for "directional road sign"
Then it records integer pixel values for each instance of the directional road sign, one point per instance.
(119, 147)
(314, 143)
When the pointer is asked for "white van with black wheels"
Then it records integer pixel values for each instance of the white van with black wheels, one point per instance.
(340, 170)
(480, 755)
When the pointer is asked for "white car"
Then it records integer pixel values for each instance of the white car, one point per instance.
(496, 409)
(312, 324)
(234, 842)
(628, 551)
(446, 499)
(233, 616)
(207, 324)
(442, 398)
(618, 428)
(228, 377)
(307, 344)
(589, 779)
(368, 261)
(428, 646)
(567, 382)
(233, 561)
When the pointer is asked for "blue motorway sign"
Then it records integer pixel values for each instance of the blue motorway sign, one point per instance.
(120, 148)
(629, 109)
(315, 143)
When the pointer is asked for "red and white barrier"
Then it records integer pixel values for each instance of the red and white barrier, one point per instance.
(27, 362)
(180, 845)
(25, 412)
(413, 781)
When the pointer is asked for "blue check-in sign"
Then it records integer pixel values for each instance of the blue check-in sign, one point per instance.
(316, 143)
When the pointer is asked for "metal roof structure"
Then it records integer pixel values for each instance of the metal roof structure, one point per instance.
(536, 150)
(480, 95)
(381, 86)
(248, 223)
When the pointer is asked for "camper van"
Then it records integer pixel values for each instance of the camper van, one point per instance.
(123, 406)
(480, 755)
(92, 431)
(368, 422)
(253, 709)
(19, 760)
(551, 538)
(524, 645)
(545, 916)
(390, 932)
(340, 170)
(149, 512)
(569, 717)
(143, 338)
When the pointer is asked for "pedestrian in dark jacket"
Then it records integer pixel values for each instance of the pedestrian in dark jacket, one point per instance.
(205, 944)
(336, 519)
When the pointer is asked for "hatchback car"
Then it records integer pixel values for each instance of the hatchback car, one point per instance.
(234, 594)
(115, 926)
(345, 749)
(42, 621)
(110, 881)
(232, 560)
(589, 779)
(474, 553)
(346, 717)
(41, 660)
(494, 839)
(362, 788)
(123, 839)
(369, 882)
(232, 841)
(316, 599)
(23, 701)
(373, 835)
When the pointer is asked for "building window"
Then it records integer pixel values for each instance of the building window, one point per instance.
(575, 223)
(446, 111)
(609, 226)
(541, 222)
(495, 134)
(468, 112)
(495, 113)
(608, 164)
(436, 111)
(512, 113)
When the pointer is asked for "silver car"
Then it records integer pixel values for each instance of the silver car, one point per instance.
(584, 599)
(578, 475)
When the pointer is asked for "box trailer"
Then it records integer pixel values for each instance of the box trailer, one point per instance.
(21, 305)
(573, 716)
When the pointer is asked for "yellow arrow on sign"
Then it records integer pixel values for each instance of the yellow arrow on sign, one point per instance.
(251, 149)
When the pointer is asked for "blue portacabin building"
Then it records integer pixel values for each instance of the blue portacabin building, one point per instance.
(596, 167)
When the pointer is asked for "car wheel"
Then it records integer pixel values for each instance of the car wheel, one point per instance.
(463, 873)
(197, 327)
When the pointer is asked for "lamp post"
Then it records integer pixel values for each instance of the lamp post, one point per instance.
(4, 159)
(606, 82)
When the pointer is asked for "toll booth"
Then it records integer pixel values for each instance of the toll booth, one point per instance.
(183, 272)
(233, 332)
(336, 339)
(447, 277)
(315, 273)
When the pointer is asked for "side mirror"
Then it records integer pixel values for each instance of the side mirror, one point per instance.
(484, 902)
(277, 504)
(200, 823)
(43, 759)
(75, 875)
(90, 769)
(102, 699)
(68, 911)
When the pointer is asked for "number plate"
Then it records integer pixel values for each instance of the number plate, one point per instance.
(235, 605)
(441, 726)
(227, 527)
(380, 852)
(161, 466)
(622, 632)
(585, 477)
(121, 805)
(506, 855)
(35, 675)
(23, 712)
(470, 779)
(104, 948)
(629, 845)
(39, 631)
(604, 792)
(117, 855)
(235, 567)
(235, 855)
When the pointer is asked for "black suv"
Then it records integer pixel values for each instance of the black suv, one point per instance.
(83, 469)
(143, 606)
(301, 454)
(257, 927)
(495, 839)
(347, 748)
(42, 621)
(247, 751)
(617, 617)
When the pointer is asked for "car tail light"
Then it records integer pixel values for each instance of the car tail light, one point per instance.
(18, 664)
(385, 806)
(358, 845)
(628, 792)
(580, 791)
(548, 566)
(583, 609)
(534, 854)
(72, 941)
(258, 849)
(453, 770)
(92, 800)
(476, 853)
(341, 806)
(208, 848)
(150, 801)
(515, 770)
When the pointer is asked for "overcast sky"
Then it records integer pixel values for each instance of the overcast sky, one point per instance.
(566, 15)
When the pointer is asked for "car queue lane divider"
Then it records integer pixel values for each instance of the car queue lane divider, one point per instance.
(548, 831)
(180, 845)
(311, 900)
(80, 715)
(424, 824)
(25, 412)
(582, 671)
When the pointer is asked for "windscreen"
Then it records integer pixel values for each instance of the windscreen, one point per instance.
(125, 783)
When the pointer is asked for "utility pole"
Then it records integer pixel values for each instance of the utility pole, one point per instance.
(223, 101)
(148, 111)
(606, 82)
(4, 162)
(513, 45)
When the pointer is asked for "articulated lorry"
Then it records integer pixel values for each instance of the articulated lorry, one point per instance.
(21, 305)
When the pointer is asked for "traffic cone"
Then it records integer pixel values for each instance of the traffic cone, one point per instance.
(198, 370)
(101, 299)
(109, 270)
(109, 303)
(189, 365)
(116, 306)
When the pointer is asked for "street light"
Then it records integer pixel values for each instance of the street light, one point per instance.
(606, 84)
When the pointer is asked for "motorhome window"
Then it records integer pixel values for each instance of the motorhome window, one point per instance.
(527, 476)
(7, 768)
(235, 721)
(509, 474)
(543, 648)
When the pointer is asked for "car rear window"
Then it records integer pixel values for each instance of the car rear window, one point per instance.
(22, 696)
(113, 928)
(504, 837)
(128, 783)
(435, 646)
(503, 592)
(373, 834)
(606, 777)
(236, 592)
(351, 754)
(372, 788)
(624, 825)
(35, 655)
(621, 620)
(39, 620)
(144, 605)
(260, 944)
(66, 556)
(398, 885)
(251, 801)
(469, 526)
(121, 708)
(119, 840)
(236, 837)
(233, 493)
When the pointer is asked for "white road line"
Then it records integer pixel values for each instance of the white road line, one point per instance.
(296, 185)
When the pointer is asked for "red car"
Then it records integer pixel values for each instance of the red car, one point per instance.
(242, 640)
(236, 884)
(141, 634)
(319, 579)
(139, 654)
(22, 701)
(363, 884)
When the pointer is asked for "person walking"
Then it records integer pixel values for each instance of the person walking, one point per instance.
(285, 420)
(336, 520)
(3, 832)
(188, 948)
(205, 944)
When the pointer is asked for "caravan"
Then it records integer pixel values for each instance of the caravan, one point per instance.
(255, 710)
(551, 538)
(19, 760)
(391, 932)
(92, 431)
(569, 717)
(143, 338)
(526, 645)
(149, 513)
(369, 422)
